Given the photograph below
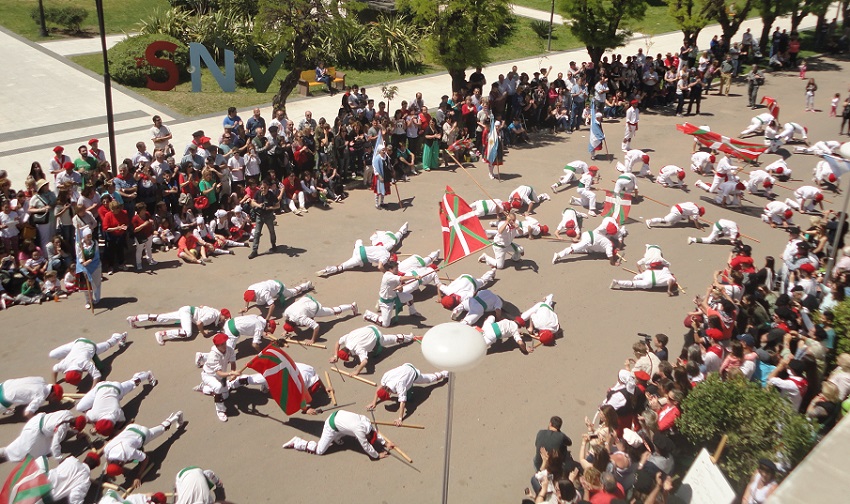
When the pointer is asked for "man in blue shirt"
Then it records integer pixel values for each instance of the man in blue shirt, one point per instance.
(579, 96)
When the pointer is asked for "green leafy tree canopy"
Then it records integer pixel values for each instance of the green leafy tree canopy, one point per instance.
(596, 23)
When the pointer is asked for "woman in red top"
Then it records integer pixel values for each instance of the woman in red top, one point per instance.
(115, 224)
(190, 250)
(143, 228)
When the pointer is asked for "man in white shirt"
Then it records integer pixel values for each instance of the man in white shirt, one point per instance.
(793, 387)
(269, 292)
(678, 213)
(32, 391)
(391, 297)
(70, 481)
(541, 319)
(365, 341)
(42, 436)
(590, 242)
(189, 317)
(632, 120)
(80, 356)
(102, 404)
(483, 301)
(194, 485)
(398, 381)
(361, 256)
(304, 311)
(160, 134)
(340, 424)
(463, 287)
(214, 373)
(127, 446)
(631, 159)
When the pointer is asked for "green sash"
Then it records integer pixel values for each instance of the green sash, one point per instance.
(418, 374)
(378, 347)
(471, 280)
(209, 483)
(496, 330)
(109, 385)
(140, 433)
(652, 272)
(481, 302)
(97, 363)
(281, 298)
(396, 302)
(332, 421)
(3, 401)
(231, 326)
(420, 260)
(363, 256)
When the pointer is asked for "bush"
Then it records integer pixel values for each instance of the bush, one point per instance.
(71, 18)
(842, 324)
(242, 74)
(541, 28)
(391, 42)
(128, 66)
(759, 423)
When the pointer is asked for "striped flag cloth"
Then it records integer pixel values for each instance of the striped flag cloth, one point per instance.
(492, 143)
(26, 484)
(596, 134)
(286, 386)
(731, 146)
(838, 165)
(772, 106)
(462, 231)
(617, 205)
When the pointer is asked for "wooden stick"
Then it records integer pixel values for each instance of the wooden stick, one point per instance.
(306, 343)
(73, 395)
(630, 271)
(719, 450)
(112, 486)
(655, 201)
(739, 233)
(409, 426)
(537, 344)
(364, 380)
(140, 478)
(397, 193)
(396, 448)
(91, 292)
(330, 388)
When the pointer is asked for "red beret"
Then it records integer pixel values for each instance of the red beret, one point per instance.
(715, 334)
(642, 375)
(219, 339)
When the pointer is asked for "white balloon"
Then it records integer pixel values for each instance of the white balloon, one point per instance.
(844, 150)
(453, 346)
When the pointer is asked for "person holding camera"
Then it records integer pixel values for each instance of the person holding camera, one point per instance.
(263, 206)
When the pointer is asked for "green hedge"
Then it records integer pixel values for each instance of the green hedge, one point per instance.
(128, 66)
(70, 18)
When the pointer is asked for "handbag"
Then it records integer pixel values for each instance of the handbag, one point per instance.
(41, 218)
(201, 202)
(184, 199)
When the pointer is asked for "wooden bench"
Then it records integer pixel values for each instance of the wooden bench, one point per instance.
(308, 79)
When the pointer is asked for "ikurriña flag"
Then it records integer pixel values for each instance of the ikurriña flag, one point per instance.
(286, 386)
(462, 231)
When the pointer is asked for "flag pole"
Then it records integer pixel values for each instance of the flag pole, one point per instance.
(838, 234)
(499, 209)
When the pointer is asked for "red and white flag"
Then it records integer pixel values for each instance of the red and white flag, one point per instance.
(731, 146)
(617, 205)
(286, 386)
(26, 484)
(772, 106)
(462, 231)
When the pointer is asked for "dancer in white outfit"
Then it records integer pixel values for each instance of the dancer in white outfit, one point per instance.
(587, 196)
(678, 213)
(304, 311)
(723, 228)
(503, 245)
(214, 373)
(777, 214)
(626, 183)
(571, 222)
(572, 171)
(102, 404)
(388, 239)
(671, 176)
(823, 175)
(821, 148)
(590, 242)
(463, 287)
(32, 391)
(269, 292)
(484, 301)
(779, 169)
(70, 481)
(791, 129)
(761, 183)
(649, 279)
(127, 446)
(391, 297)
(486, 208)
(805, 198)
(653, 258)
(80, 356)
(703, 162)
(525, 195)
(398, 381)
(191, 318)
(194, 485)
(757, 124)
(631, 158)
(364, 342)
(254, 326)
(541, 320)
(42, 436)
(361, 256)
(339, 425)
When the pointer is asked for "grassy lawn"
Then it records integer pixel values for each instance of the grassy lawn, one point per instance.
(656, 21)
(211, 99)
(119, 15)
(541, 5)
(524, 42)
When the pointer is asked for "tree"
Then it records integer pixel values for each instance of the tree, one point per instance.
(299, 22)
(596, 23)
(769, 11)
(689, 16)
(759, 423)
(729, 14)
(461, 31)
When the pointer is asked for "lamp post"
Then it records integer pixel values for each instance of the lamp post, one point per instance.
(43, 31)
(551, 22)
(844, 151)
(455, 347)
(107, 87)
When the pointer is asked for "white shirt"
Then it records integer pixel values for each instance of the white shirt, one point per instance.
(237, 167)
(374, 255)
(69, 480)
(76, 356)
(806, 192)
(308, 374)
(702, 161)
(358, 426)
(483, 301)
(653, 255)
(586, 181)
(776, 209)
(32, 391)
(400, 379)
(266, 291)
(523, 192)
(126, 446)
(246, 325)
(596, 243)
(486, 207)
(779, 163)
(389, 282)
(103, 402)
(505, 328)
(632, 157)
(686, 209)
(570, 215)
(193, 486)
(632, 115)
(360, 341)
(217, 361)
(206, 315)
(543, 317)
(162, 131)
(578, 167)
(787, 389)
(386, 239)
(626, 182)
(464, 286)
(10, 221)
(302, 311)
(757, 179)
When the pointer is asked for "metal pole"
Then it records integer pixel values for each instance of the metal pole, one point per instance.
(551, 22)
(43, 32)
(448, 443)
(838, 233)
(107, 88)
